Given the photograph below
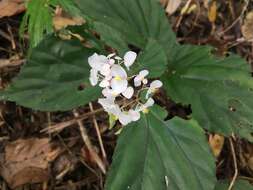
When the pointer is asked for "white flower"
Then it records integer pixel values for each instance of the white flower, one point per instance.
(140, 78)
(127, 117)
(144, 107)
(153, 87)
(129, 58)
(109, 93)
(119, 79)
(128, 93)
(109, 106)
(93, 77)
(97, 61)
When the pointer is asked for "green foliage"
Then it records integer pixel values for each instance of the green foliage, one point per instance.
(239, 185)
(218, 89)
(39, 18)
(156, 154)
(136, 22)
(50, 80)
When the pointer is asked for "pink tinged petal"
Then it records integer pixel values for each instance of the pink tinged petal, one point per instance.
(129, 58)
(128, 93)
(156, 84)
(111, 61)
(93, 77)
(119, 71)
(135, 115)
(119, 86)
(104, 83)
(137, 81)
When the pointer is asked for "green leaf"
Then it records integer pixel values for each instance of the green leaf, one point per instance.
(239, 185)
(153, 154)
(135, 22)
(51, 78)
(153, 58)
(38, 18)
(218, 89)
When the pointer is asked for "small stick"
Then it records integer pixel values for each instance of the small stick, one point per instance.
(98, 133)
(235, 165)
(88, 143)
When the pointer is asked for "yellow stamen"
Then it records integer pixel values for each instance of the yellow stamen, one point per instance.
(118, 78)
(145, 111)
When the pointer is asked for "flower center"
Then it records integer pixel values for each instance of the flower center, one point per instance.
(146, 110)
(118, 78)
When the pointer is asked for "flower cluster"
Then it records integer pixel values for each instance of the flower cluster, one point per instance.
(110, 73)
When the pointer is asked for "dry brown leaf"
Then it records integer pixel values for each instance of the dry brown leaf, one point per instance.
(216, 143)
(247, 28)
(11, 7)
(27, 161)
(60, 22)
(212, 12)
(173, 6)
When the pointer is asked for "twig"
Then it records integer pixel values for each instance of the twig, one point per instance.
(98, 133)
(88, 144)
(235, 165)
(62, 125)
(236, 20)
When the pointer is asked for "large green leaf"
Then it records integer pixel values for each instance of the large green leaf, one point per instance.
(218, 89)
(239, 185)
(50, 80)
(154, 154)
(135, 22)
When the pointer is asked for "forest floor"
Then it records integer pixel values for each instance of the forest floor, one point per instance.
(45, 150)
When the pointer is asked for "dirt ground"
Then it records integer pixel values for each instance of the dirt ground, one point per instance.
(45, 150)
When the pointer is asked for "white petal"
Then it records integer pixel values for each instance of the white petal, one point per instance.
(105, 69)
(143, 73)
(125, 118)
(150, 102)
(137, 81)
(106, 102)
(119, 86)
(97, 61)
(111, 61)
(104, 83)
(117, 70)
(128, 93)
(93, 77)
(135, 115)
(156, 84)
(129, 58)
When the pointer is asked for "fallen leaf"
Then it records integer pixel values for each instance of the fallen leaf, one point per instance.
(27, 161)
(11, 7)
(247, 28)
(60, 22)
(212, 12)
(173, 6)
(216, 143)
